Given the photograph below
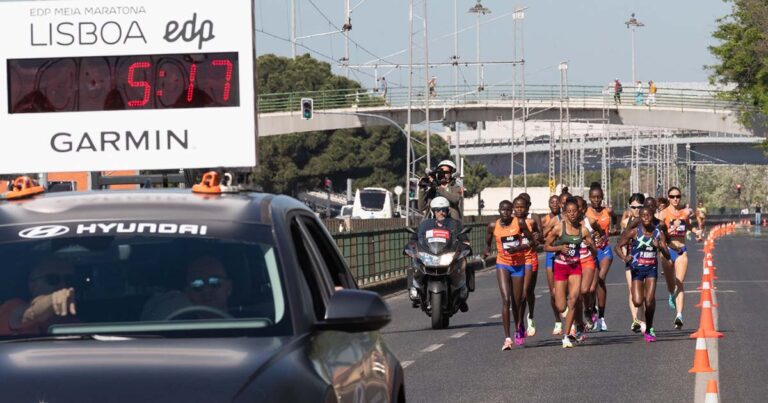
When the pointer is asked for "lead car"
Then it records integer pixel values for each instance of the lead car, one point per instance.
(169, 295)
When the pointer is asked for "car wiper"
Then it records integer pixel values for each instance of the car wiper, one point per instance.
(97, 337)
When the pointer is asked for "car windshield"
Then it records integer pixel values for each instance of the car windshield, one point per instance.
(372, 199)
(151, 278)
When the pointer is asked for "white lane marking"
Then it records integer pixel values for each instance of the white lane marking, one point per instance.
(431, 348)
(459, 334)
(482, 323)
(698, 291)
(498, 315)
(405, 364)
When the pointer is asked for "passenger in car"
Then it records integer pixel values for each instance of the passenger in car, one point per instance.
(50, 284)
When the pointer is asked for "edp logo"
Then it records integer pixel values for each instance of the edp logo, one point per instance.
(189, 31)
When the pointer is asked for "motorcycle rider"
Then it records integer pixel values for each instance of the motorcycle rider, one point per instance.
(442, 183)
(440, 209)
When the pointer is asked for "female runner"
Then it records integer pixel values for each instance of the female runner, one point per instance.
(533, 222)
(677, 221)
(604, 217)
(550, 221)
(644, 245)
(510, 267)
(565, 242)
(588, 268)
(636, 202)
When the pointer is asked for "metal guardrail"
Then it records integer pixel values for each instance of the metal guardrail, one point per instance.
(374, 248)
(535, 95)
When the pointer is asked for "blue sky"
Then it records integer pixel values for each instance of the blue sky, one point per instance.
(590, 34)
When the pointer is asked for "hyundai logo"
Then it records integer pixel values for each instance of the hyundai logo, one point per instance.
(43, 231)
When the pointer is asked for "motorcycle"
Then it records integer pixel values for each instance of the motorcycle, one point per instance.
(439, 281)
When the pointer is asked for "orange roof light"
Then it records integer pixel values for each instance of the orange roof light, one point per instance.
(22, 187)
(210, 184)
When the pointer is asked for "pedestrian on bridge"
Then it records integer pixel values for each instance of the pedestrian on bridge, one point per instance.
(383, 87)
(432, 84)
(652, 93)
(639, 93)
(617, 89)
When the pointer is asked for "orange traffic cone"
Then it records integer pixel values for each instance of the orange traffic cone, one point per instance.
(706, 295)
(701, 357)
(709, 275)
(706, 323)
(712, 395)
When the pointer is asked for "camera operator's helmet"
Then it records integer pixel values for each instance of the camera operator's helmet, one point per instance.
(447, 163)
(439, 202)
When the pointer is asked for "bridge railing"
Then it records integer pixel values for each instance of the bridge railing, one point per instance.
(535, 95)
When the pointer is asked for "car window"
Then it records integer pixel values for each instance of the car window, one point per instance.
(141, 277)
(334, 263)
(309, 269)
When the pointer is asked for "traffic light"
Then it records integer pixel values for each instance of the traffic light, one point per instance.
(327, 184)
(306, 108)
(738, 189)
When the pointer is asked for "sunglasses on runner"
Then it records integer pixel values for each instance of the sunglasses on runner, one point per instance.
(674, 196)
(633, 207)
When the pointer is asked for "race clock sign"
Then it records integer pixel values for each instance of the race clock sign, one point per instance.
(109, 85)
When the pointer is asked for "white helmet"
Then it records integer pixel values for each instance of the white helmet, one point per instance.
(447, 163)
(439, 202)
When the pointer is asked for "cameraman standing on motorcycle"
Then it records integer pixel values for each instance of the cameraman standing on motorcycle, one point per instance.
(440, 207)
(442, 183)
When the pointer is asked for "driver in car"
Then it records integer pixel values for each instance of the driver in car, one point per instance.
(206, 284)
(52, 300)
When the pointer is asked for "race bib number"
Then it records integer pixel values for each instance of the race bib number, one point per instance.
(438, 235)
(508, 242)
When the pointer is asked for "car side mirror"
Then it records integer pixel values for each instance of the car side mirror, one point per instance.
(352, 310)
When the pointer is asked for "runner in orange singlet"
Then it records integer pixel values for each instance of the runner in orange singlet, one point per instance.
(604, 217)
(677, 221)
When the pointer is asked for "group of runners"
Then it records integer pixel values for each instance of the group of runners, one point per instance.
(575, 235)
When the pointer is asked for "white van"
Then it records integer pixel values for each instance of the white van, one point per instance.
(372, 203)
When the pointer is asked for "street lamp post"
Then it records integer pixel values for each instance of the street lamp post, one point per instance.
(480, 10)
(632, 24)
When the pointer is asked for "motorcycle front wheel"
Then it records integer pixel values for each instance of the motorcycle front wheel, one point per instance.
(436, 300)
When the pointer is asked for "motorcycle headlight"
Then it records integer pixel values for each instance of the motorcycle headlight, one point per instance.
(436, 260)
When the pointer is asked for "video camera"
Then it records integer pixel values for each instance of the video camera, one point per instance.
(429, 180)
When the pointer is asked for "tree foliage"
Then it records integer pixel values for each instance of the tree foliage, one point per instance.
(283, 74)
(743, 54)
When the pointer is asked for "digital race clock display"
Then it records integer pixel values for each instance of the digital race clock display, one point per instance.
(108, 83)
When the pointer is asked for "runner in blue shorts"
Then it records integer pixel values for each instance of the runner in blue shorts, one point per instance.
(645, 243)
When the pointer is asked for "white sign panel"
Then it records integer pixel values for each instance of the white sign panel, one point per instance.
(96, 85)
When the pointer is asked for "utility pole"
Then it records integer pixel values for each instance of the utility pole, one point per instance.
(519, 15)
(633, 23)
(480, 10)
(455, 61)
(562, 67)
(345, 29)
(293, 29)
(410, 112)
(426, 83)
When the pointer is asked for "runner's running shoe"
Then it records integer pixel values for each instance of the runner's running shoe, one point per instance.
(635, 326)
(679, 321)
(603, 325)
(531, 328)
(672, 303)
(558, 330)
(507, 344)
(650, 336)
(567, 342)
(642, 326)
(520, 336)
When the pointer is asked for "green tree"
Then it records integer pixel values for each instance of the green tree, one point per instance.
(743, 56)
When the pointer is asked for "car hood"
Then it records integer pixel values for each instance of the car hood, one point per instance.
(208, 369)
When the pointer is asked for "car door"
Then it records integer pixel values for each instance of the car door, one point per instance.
(360, 366)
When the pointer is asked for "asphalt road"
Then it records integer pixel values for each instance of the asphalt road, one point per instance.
(464, 362)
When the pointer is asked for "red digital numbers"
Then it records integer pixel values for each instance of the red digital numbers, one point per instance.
(133, 83)
(191, 83)
(228, 64)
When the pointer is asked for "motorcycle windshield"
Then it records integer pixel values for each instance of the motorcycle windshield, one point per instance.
(436, 240)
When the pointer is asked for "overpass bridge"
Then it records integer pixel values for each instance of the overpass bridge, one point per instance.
(675, 108)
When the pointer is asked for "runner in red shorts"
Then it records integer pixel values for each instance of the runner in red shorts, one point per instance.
(565, 241)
